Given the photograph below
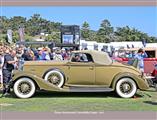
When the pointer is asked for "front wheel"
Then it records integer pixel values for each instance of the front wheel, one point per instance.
(24, 88)
(55, 77)
(126, 88)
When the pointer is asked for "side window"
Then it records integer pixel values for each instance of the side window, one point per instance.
(75, 57)
(89, 58)
(81, 57)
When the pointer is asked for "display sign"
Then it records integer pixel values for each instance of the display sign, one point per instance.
(67, 39)
(70, 34)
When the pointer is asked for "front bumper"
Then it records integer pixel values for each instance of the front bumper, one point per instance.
(152, 81)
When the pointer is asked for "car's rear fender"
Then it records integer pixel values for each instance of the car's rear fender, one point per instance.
(140, 82)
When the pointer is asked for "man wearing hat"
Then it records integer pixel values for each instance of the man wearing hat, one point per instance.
(141, 54)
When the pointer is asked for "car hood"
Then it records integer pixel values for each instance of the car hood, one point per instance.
(32, 63)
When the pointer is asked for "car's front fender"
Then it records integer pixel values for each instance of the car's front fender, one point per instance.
(41, 83)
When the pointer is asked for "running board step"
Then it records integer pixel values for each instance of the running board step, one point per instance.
(90, 89)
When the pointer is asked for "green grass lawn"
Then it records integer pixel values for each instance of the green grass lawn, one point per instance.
(52, 101)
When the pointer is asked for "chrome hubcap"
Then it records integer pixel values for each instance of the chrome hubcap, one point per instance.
(24, 87)
(126, 87)
(54, 79)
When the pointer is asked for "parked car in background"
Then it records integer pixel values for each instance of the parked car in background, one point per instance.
(149, 62)
(86, 71)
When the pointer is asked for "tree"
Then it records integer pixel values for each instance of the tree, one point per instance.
(33, 23)
(54, 37)
(92, 35)
(17, 21)
(4, 24)
(103, 34)
(15, 36)
(36, 24)
(3, 38)
(85, 31)
(131, 34)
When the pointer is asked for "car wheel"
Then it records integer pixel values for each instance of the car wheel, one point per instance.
(126, 88)
(55, 77)
(24, 88)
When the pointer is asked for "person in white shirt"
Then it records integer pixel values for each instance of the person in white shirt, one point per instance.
(57, 55)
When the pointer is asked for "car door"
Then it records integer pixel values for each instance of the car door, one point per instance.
(81, 73)
(105, 74)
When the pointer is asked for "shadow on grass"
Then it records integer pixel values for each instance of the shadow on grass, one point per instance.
(150, 102)
(45, 94)
(48, 94)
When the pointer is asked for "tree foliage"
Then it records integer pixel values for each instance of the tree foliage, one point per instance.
(105, 31)
(32, 27)
(85, 31)
(55, 37)
(36, 25)
(131, 34)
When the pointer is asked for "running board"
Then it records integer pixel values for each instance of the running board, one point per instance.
(89, 89)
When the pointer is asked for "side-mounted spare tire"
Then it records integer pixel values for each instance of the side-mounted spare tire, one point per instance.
(24, 87)
(55, 77)
(126, 87)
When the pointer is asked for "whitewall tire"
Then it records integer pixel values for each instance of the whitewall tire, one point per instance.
(24, 88)
(126, 88)
(55, 77)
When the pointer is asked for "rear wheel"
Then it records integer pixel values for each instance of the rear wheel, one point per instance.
(24, 88)
(126, 88)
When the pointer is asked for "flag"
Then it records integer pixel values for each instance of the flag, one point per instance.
(21, 34)
(9, 35)
(144, 42)
(95, 46)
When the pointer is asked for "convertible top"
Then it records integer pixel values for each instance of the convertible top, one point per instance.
(99, 57)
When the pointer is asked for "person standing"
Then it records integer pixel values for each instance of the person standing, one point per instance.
(57, 55)
(1, 65)
(141, 54)
(9, 64)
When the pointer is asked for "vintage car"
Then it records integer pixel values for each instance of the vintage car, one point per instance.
(86, 71)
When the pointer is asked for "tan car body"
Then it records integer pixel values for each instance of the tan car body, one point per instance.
(102, 72)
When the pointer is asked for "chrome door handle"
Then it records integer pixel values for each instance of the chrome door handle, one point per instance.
(91, 68)
(32, 69)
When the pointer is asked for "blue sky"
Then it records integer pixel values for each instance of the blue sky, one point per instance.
(143, 18)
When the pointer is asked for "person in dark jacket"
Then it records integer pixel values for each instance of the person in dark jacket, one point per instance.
(9, 64)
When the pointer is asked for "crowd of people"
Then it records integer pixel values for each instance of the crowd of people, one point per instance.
(139, 55)
(13, 57)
